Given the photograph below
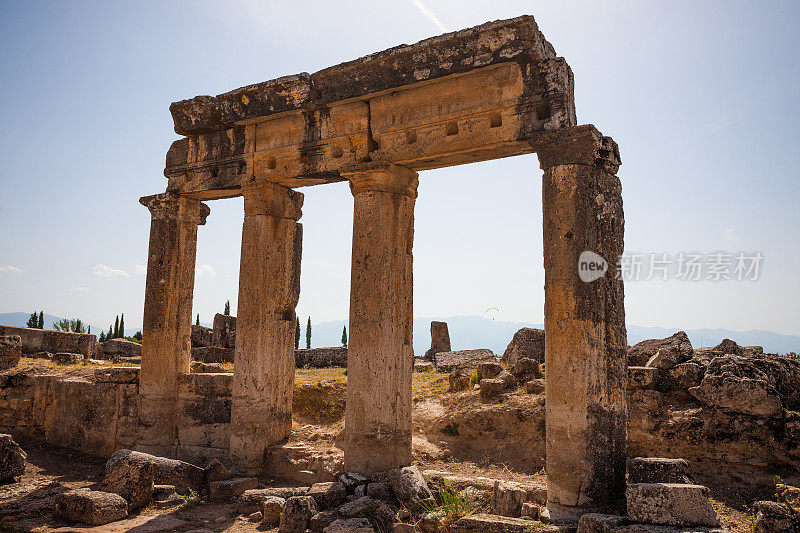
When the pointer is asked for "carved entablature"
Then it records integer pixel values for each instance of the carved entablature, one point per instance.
(477, 94)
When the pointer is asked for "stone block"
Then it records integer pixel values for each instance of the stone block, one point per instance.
(447, 361)
(321, 357)
(641, 377)
(686, 375)
(228, 489)
(423, 366)
(297, 513)
(459, 380)
(117, 374)
(198, 367)
(64, 358)
(182, 475)
(271, 509)
(224, 334)
(328, 495)
(499, 524)
(674, 349)
(44, 340)
(213, 354)
(507, 378)
(91, 507)
(12, 459)
(658, 470)
(525, 367)
(489, 369)
(772, 517)
(322, 520)
(507, 500)
(490, 388)
(358, 507)
(202, 336)
(440, 339)
(670, 504)
(216, 471)
(350, 525)
(118, 348)
(408, 484)
(529, 510)
(251, 500)
(528, 343)
(535, 386)
(131, 476)
(380, 491)
(601, 523)
(10, 351)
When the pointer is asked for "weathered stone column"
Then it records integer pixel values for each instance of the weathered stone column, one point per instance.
(585, 338)
(166, 326)
(380, 352)
(269, 286)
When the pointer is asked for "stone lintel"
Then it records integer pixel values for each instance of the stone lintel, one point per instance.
(383, 177)
(578, 145)
(169, 205)
(274, 200)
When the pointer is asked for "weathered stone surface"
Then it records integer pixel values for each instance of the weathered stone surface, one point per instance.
(358, 507)
(213, 354)
(250, 500)
(686, 375)
(34, 340)
(491, 388)
(459, 380)
(772, 517)
(328, 495)
(91, 507)
(352, 480)
(508, 378)
(183, 475)
(216, 471)
(489, 370)
(12, 459)
(297, 513)
(600, 523)
(408, 484)
(224, 332)
(423, 366)
(529, 510)
(198, 367)
(165, 496)
(658, 470)
(440, 339)
(228, 489)
(525, 367)
(674, 349)
(63, 358)
(463, 359)
(321, 357)
(641, 377)
(117, 374)
(526, 342)
(350, 525)
(131, 476)
(670, 504)
(10, 351)
(380, 491)
(535, 386)
(322, 520)
(499, 524)
(271, 509)
(116, 348)
(202, 336)
(507, 500)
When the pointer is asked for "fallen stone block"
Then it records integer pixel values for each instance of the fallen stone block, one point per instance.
(507, 500)
(423, 366)
(10, 351)
(91, 507)
(117, 374)
(185, 476)
(459, 380)
(772, 517)
(529, 510)
(358, 507)
(64, 358)
(499, 524)
(380, 491)
(353, 479)
(408, 484)
(686, 375)
(328, 495)
(600, 523)
(489, 369)
(508, 378)
(641, 377)
(535, 386)
(12, 458)
(670, 504)
(526, 367)
(116, 348)
(322, 520)
(448, 361)
(350, 525)
(198, 367)
(491, 388)
(658, 470)
(165, 496)
(216, 471)
(213, 354)
(132, 477)
(526, 342)
(271, 509)
(297, 513)
(674, 349)
(228, 489)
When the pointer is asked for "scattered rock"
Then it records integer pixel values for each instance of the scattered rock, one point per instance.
(64, 358)
(507, 378)
(459, 380)
(91, 507)
(10, 351)
(641, 377)
(491, 388)
(772, 517)
(271, 509)
(131, 476)
(465, 359)
(297, 513)
(252, 500)
(350, 525)
(440, 339)
(198, 367)
(12, 458)
(322, 520)
(117, 374)
(526, 367)
(183, 475)
(507, 500)
(328, 495)
(670, 504)
(489, 369)
(360, 491)
(165, 496)
(674, 349)
(117, 348)
(529, 510)
(228, 489)
(658, 470)
(358, 507)
(353, 479)
(408, 484)
(258, 516)
(423, 366)
(686, 375)
(499, 524)
(527, 342)
(216, 471)
(380, 491)
(535, 386)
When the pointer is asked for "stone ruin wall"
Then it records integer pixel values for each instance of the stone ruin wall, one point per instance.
(43, 340)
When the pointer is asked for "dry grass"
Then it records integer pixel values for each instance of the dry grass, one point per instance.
(427, 384)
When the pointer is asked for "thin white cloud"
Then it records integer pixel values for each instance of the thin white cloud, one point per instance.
(139, 269)
(79, 289)
(11, 268)
(107, 272)
(204, 270)
(428, 14)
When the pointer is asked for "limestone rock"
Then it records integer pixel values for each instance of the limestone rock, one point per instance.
(297, 513)
(12, 458)
(670, 504)
(459, 380)
(183, 475)
(507, 500)
(529, 510)
(10, 351)
(251, 500)
(165, 496)
(380, 491)
(335, 356)
(228, 489)
(422, 366)
(525, 367)
(224, 335)
(499, 524)
(216, 471)
(527, 342)
(213, 354)
(358, 507)
(131, 476)
(198, 367)
(440, 339)
(508, 378)
(117, 374)
(353, 479)
(658, 470)
(322, 520)
(686, 375)
(65, 358)
(271, 509)
(447, 361)
(202, 336)
(91, 507)
(328, 495)
(408, 484)
(674, 349)
(772, 517)
(489, 369)
(535, 386)
(601, 523)
(641, 377)
(117, 348)
(350, 525)
(491, 388)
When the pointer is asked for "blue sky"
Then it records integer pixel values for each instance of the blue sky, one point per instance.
(702, 98)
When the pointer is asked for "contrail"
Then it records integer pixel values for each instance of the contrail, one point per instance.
(428, 14)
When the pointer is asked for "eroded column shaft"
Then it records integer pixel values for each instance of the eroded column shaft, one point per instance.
(380, 352)
(585, 338)
(166, 327)
(269, 286)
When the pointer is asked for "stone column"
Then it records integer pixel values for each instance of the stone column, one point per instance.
(269, 286)
(585, 338)
(166, 326)
(380, 355)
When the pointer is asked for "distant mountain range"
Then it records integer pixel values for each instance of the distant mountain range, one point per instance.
(480, 332)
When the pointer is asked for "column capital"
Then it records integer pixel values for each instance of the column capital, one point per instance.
(383, 177)
(581, 145)
(170, 205)
(267, 198)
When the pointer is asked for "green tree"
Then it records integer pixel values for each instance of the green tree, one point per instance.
(33, 321)
(122, 325)
(89, 329)
(110, 333)
(76, 326)
(116, 327)
(41, 319)
(344, 336)
(227, 308)
(102, 336)
(308, 333)
(138, 336)
(297, 333)
(197, 322)
(61, 325)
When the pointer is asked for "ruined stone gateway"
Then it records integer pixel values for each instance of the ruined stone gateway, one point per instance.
(492, 91)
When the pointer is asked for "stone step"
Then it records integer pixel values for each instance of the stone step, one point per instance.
(671, 504)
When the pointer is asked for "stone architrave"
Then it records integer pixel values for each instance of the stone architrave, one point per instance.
(585, 337)
(269, 286)
(166, 327)
(380, 352)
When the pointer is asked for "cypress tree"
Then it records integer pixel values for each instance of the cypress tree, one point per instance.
(297, 333)
(308, 333)
(116, 327)
(41, 319)
(109, 336)
(227, 308)
(344, 336)
(122, 325)
(197, 322)
(89, 330)
(33, 321)
(102, 336)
